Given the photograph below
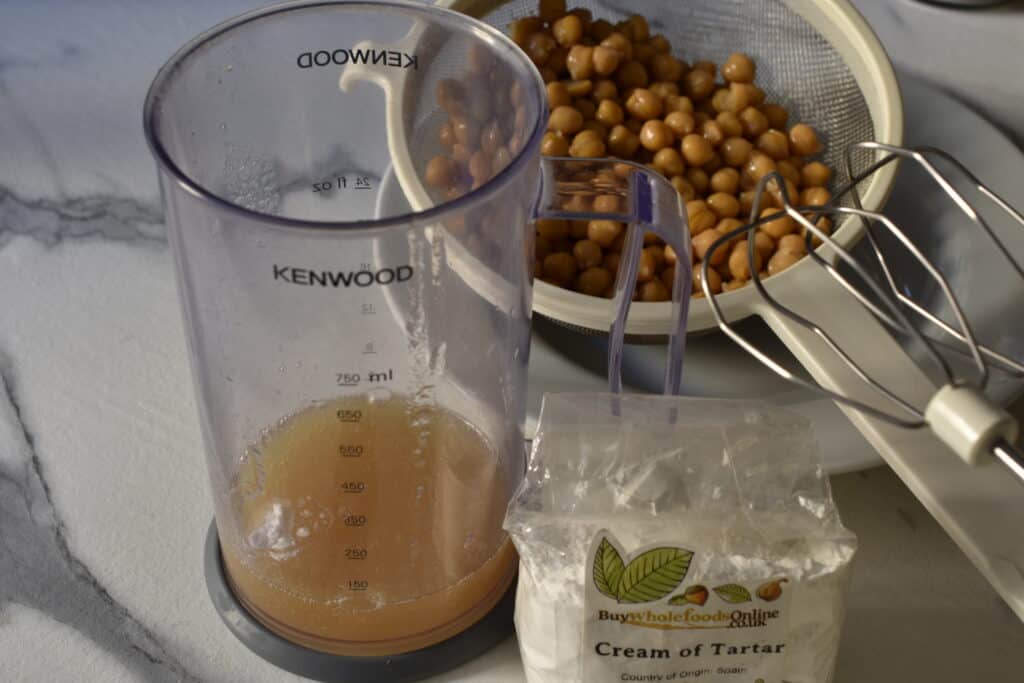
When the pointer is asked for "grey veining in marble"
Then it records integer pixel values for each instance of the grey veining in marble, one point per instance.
(51, 220)
(40, 571)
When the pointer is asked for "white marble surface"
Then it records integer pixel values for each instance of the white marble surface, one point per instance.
(103, 501)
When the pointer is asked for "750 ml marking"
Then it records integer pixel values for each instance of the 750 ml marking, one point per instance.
(354, 379)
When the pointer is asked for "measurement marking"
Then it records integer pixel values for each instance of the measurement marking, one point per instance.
(368, 309)
(348, 384)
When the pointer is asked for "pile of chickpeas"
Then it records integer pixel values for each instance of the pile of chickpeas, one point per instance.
(616, 90)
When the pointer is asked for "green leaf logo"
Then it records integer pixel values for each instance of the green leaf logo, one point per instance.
(732, 593)
(608, 568)
(678, 600)
(654, 574)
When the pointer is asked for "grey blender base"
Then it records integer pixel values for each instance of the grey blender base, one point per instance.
(321, 666)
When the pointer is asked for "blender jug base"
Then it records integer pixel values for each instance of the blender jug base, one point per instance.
(329, 668)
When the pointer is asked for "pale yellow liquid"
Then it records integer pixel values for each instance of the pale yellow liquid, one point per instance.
(376, 551)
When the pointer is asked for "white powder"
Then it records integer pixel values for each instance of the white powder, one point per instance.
(738, 484)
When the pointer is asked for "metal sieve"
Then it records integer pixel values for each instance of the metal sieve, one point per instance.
(819, 59)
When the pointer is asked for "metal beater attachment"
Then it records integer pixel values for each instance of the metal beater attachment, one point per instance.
(958, 413)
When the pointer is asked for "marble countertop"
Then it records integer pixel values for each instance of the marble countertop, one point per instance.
(103, 492)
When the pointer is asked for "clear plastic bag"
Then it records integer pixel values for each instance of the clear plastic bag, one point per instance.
(728, 496)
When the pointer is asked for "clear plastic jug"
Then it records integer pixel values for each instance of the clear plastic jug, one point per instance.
(359, 339)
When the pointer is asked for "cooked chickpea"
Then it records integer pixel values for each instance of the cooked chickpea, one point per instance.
(815, 196)
(788, 171)
(601, 29)
(549, 10)
(681, 123)
(581, 88)
(611, 261)
(739, 261)
(595, 281)
(580, 61)
(720, 100)
(714, 280)
(683, 187)
(776, 115)
(552, 229)
(764, 245)
(738, 68)
(747, 198)
(578, 229)
(665, 67)
(632, 75)
(735, 151)
(793, 243)
(554, 145)
(439, 172)
(725, 180)
(698, 178)
(778, 228)
(655, 135)
(712, 132)
(724, 205)
(520, 30)
(702, 244)
(480, 165)
(606, 203)
(669, 162)
(603, 233)
(701, 222)
(644, 104)
(815, 174)
(609, 113)
(758, 166)
(565, 119)
(781, 260)
(596, 127)
(501, 158)
(803, 140)
(643, 53)
(560, 268)
(654, 290)
(647, 267)
(539, 47)
(587, 143)
(587, 253)
(541, 247)
(679, 103)
(586, 108)
(698, 83)
(568, 30)
(663, 90)
(446, 136)
(558, 95)
(697, 151)
(734, 284)
(604, 60)
(706, 66)
(774, 143)
(622, 142)
(461, 153)
(776, 193)
(753, 121)
(730, 124)
(604, 89)
(621, 44)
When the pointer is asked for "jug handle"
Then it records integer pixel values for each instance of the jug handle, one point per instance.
(649, 204)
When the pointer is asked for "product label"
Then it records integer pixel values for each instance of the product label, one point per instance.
(650, 618)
